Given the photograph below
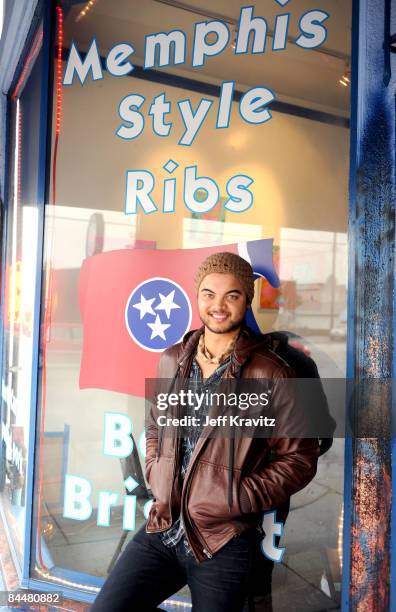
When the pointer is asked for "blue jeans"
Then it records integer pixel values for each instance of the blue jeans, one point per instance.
(148, 572)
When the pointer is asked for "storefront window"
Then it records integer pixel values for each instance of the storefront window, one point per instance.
(98, 252)
(19, 317)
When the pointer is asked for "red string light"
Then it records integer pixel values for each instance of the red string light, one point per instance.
(59, 14)
(19, 160)
(28, 62)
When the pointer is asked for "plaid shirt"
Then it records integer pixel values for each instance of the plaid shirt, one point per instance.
(174, 534)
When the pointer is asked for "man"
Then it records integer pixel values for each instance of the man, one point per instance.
(210, 492)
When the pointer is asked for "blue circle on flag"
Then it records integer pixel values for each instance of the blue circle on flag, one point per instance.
(158, 314)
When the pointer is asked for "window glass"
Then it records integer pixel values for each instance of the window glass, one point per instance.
(98, 251)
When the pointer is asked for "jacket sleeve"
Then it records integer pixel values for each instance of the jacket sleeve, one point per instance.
(294, 460)
(151, 426)
(151, 444)
(165, 369)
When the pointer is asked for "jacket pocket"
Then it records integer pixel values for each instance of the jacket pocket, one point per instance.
(161, 482)
(244, 499)
(208, 495)
(161, 476)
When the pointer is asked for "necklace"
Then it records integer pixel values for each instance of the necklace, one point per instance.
(206, 354)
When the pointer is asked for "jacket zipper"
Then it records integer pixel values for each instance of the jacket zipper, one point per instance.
(177, 443)
(177, 452)
(205, 548)
(199, 537)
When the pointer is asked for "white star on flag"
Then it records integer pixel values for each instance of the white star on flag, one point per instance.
(158, 328)
(167, 303)
(144, 306)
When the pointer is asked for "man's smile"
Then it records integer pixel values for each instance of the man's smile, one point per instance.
(218, 316)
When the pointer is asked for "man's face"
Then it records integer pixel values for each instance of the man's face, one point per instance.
(222, 302)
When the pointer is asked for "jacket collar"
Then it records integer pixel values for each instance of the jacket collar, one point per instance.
(246, 342)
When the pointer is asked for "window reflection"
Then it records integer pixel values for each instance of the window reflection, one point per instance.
(201, 232)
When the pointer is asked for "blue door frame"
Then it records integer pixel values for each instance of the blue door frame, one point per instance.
(41, 15)
(368, 535)
(368, 565)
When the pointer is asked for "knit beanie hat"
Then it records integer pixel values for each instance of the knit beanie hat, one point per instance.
(228, 263)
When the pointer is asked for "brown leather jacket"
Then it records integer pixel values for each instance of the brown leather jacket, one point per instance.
(264, 472)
